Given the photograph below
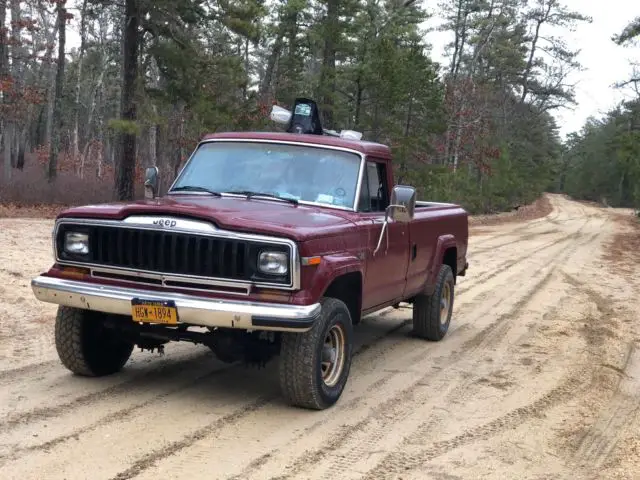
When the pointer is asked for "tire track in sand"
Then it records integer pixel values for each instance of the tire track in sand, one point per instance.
(141, 379)
(13, 374)
(118, 415)
(140, 455)
(479, 282)
(510, 263)
(149, 460)
(603, 436)
(366, 433)
(564, 254)
(398, 462)
(129, 411)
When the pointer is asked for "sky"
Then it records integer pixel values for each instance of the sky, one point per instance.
(604, 63)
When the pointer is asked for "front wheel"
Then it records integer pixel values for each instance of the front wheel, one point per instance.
(432, 313)
(85, 346)
(314, 365)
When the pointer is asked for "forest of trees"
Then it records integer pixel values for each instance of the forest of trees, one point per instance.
(148, 78)
(602, 162)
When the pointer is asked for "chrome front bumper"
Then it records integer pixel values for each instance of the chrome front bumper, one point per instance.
(200, 311)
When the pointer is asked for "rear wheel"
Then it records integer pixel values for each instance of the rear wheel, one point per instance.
(432, 313)
(314, 365)
(85, 346)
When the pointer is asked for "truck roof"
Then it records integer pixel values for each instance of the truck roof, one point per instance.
(368, 148)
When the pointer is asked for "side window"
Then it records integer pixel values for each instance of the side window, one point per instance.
(373, 194)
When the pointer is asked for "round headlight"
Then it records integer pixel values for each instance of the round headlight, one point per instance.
(76, 243)
(273, 263)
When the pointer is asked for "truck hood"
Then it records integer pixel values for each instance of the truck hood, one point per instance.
(268, 217)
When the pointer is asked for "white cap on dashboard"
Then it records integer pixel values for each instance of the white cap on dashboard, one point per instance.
(280, 115)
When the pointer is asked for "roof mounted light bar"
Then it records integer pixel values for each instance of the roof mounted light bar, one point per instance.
(306, 119)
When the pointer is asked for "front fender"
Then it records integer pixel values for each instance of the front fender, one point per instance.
(316, 279)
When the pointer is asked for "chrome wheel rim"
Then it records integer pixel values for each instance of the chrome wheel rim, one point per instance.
(333, 353)
(445, 303)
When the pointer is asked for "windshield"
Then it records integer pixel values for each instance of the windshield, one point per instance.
(307, 174)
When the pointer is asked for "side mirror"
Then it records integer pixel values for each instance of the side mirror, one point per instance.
(401, 209)
(403, 203)
(151, 182)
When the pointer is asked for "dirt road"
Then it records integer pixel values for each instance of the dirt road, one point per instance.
(539, 377)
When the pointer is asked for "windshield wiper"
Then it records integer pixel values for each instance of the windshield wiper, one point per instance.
(250, 194)
(195, 188)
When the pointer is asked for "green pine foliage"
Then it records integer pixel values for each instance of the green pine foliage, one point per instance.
(477, 129)
(602, 161)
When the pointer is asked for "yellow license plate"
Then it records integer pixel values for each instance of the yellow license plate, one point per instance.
(148, 311)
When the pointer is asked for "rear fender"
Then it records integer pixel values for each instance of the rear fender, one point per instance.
(443, 244)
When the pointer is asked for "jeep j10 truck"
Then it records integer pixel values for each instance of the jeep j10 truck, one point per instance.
(265, 244)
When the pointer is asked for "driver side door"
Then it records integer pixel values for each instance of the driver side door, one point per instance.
(386, 271)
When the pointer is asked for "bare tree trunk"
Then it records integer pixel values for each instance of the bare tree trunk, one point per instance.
(83, 40)
(456, 146)
(17, 62)
(48, 130)
(4, 62)
(97, 90)
(265, 93)
(153, 139)
(57, 104)
(544, 15)
(461, 36)
(178, 118)
(21, 141)
(155, 83)
(359, 92)
(4, 71)
(461, 33)
(50, 82)
(125, 169)
(14, 145)
(26, 134)
(245, 85)
(328, 75)
(407, 127)
(8, 134)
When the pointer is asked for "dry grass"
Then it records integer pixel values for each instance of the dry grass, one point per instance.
(28, 194)
(30, 187)
(11, 210)
(623, 251)
(538, 209)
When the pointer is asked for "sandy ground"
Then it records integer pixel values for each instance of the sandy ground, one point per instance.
(538, 378)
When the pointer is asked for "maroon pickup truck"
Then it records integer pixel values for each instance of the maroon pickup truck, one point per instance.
(265, 244)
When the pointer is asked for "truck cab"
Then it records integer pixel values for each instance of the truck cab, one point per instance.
(266, 244)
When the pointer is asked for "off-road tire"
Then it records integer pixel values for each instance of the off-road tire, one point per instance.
(427, 322)
(301, 379)
(85, 346)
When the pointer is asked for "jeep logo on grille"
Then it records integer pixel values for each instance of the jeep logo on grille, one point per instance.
(162, 222)
(171, 223)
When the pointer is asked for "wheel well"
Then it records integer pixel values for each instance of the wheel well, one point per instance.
(348, 288)
(450, 258)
